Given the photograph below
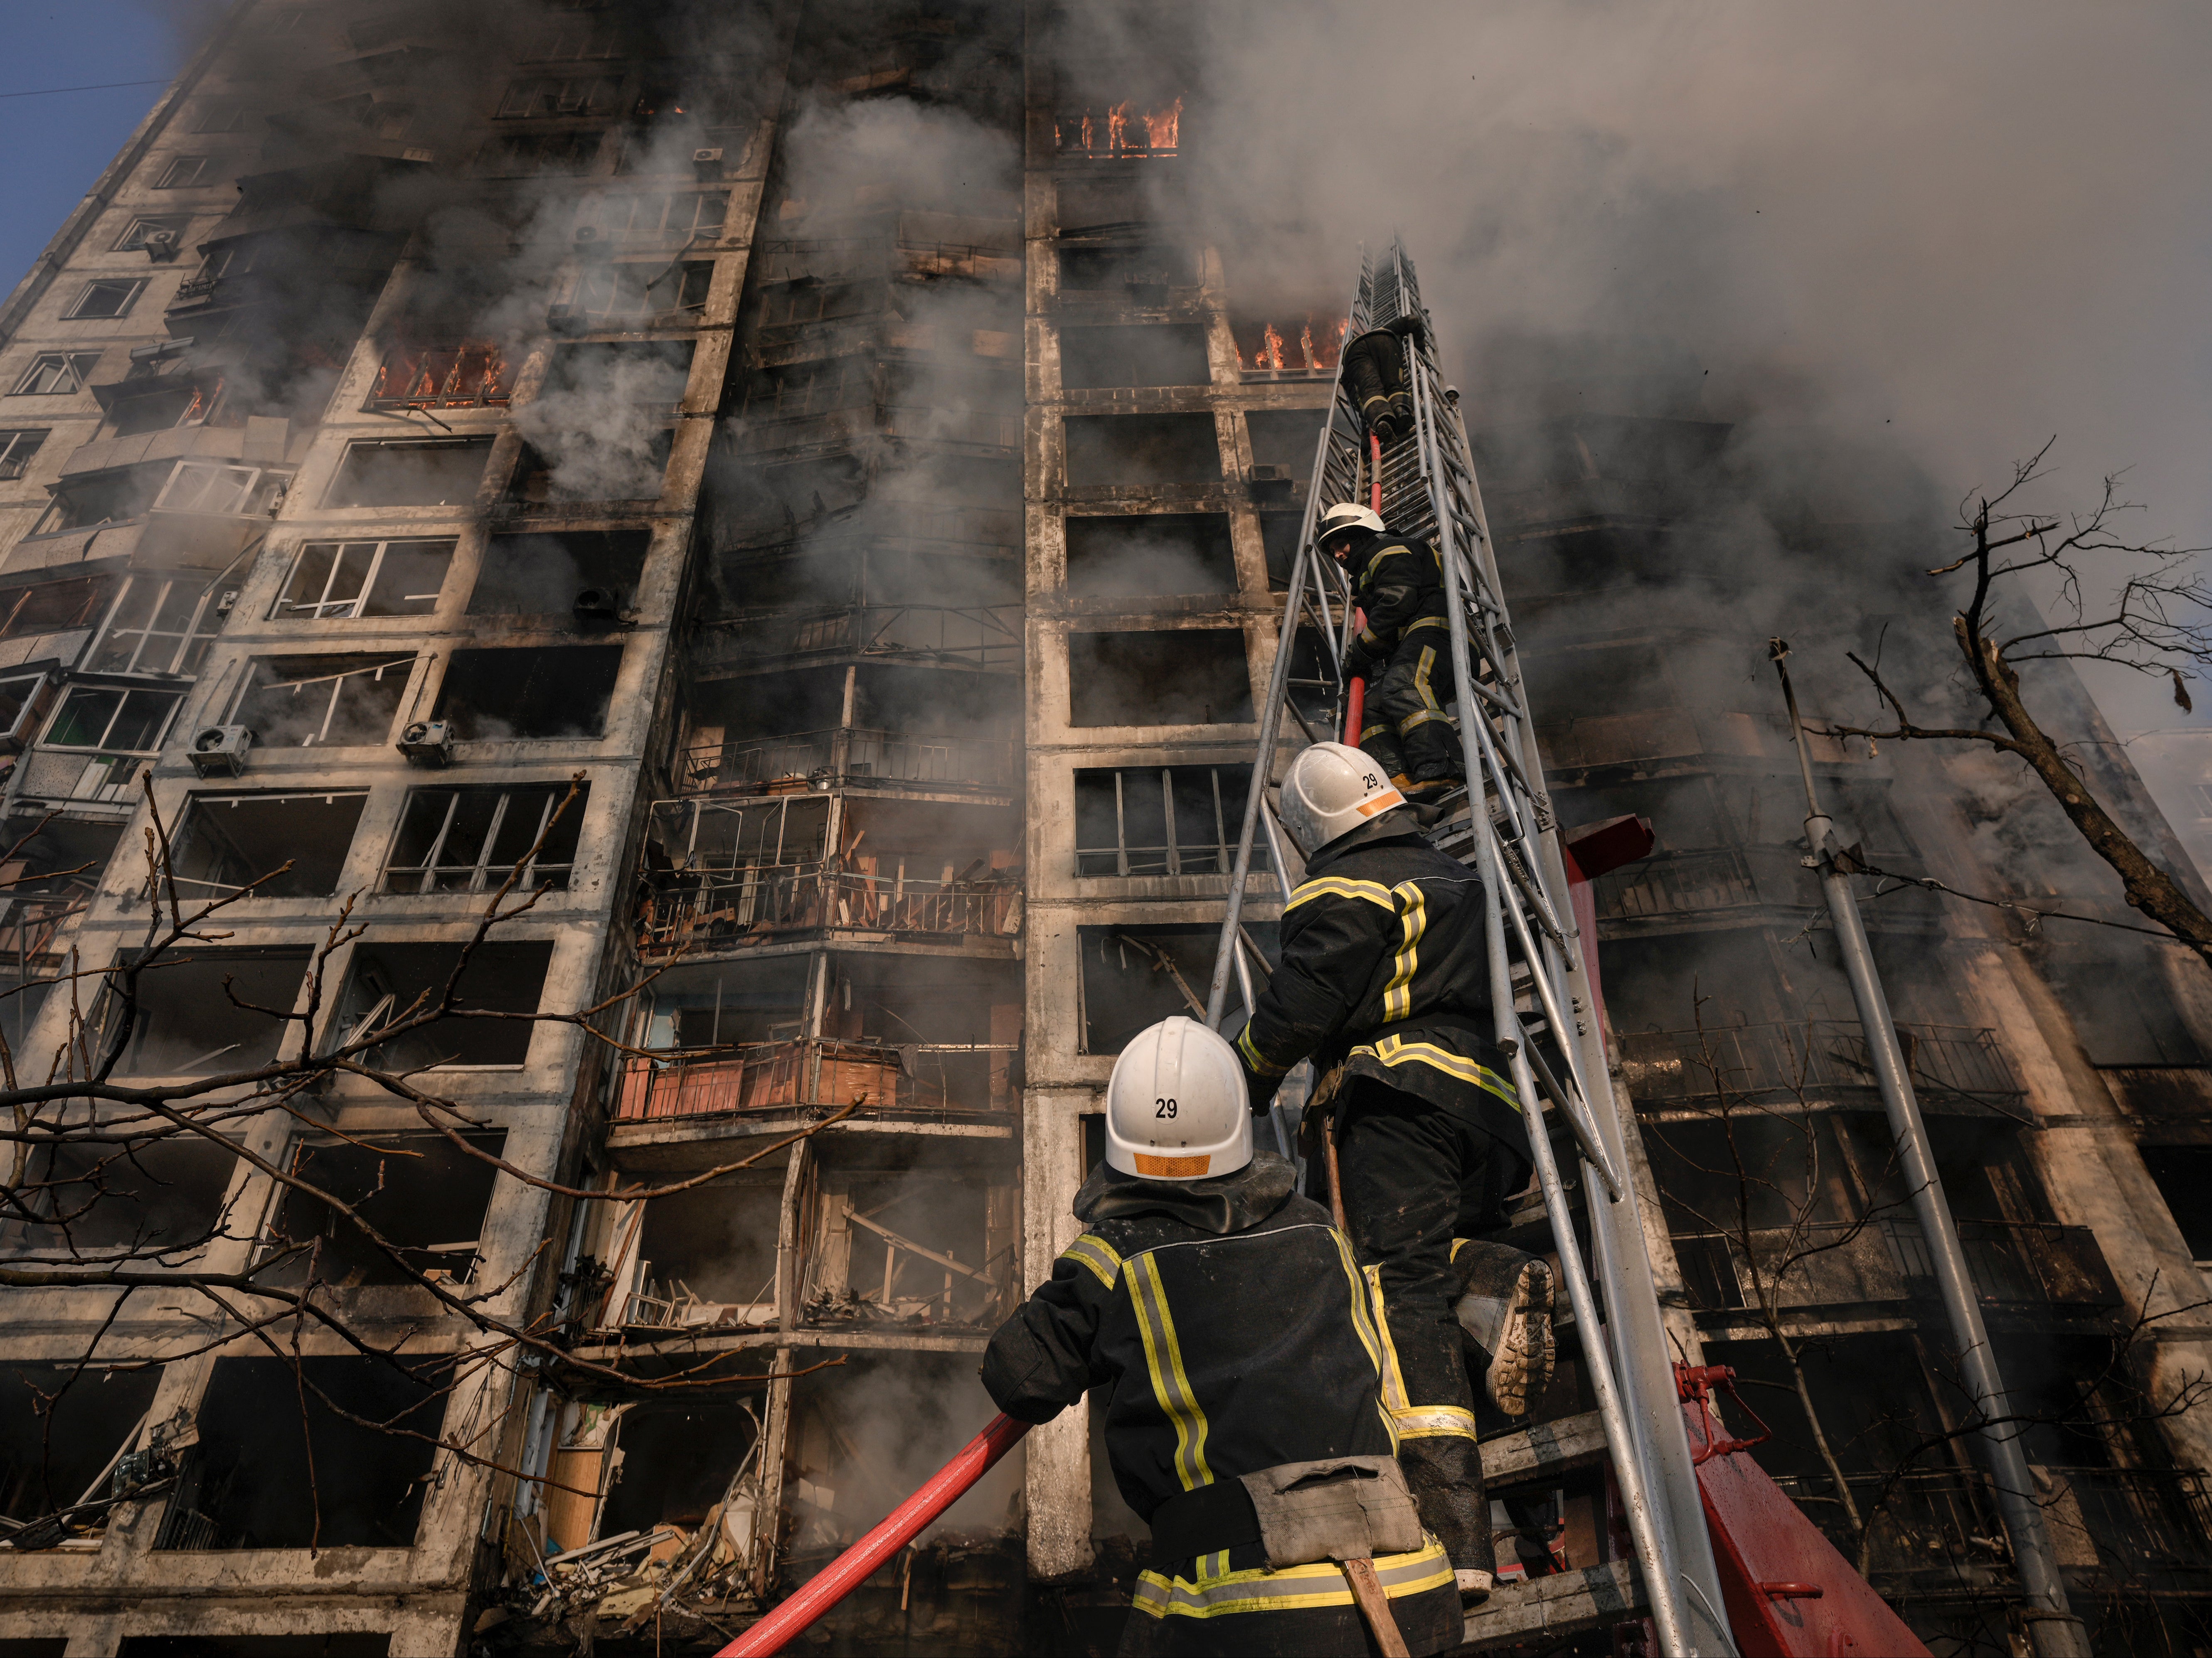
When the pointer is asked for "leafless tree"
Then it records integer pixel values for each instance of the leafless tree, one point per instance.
(2141, 606)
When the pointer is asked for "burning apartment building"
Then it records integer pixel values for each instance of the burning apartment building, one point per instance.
(804, 490)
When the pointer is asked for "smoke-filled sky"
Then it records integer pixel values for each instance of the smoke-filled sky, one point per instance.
(1963, 227)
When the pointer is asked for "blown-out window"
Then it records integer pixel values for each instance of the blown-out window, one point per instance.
(159, 625)
(472, 840)
(338, 580)
(1162, 820)
(50, 607)
(207, 486)
(309, 702)
(580, 94)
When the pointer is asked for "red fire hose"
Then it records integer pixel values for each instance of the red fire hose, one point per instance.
(853, 1568)
(1355, 694)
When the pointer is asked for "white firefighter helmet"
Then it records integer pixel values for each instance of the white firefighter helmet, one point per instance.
(1347, 515)
(1332, 790)
(1175, 1107)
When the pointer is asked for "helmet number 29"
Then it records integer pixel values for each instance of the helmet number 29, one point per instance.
(1164, 1108)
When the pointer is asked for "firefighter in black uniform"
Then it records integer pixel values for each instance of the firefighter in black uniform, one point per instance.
(1374, 375)
(1234, 1338)
(1383, 983)
(1402, 650)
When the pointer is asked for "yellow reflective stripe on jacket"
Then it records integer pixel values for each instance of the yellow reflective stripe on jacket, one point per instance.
(1367, 1323)
(1221, 1595)
(1397, 1050)
(1336, 886)
(1164, 1359)
(1252, 1057)
(1407, 1419)
(1093, 1252)
(1413, 922)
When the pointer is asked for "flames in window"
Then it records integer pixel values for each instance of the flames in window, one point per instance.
(1296, 345)
(470, 375)
(1122, 131)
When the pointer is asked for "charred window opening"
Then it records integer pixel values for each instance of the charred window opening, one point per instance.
(410, 472)
(1280, 533)
(1162, 820)
(1285, 438)
(104, 498)
(782, 733)
(1155, 553)
(1135, 354)
(397, 984)
(927, 1246)
(51, 607)
(1132, 451)
(443, 371)
(246, 1484)
(426, 1197)
(2122, 1014)
(472, 840)
(545, 691)
(540, 574)
(538, 155)
(811, 300)
(734, 1034)
(704, 1258)
(540, 96)
(646, 374)
(1135, 976)
(677, 1461)
(1182, 677)
(639, 291)
(1144, 271)
(2184, 1174)
(52, 866)
(554, 477)
(338, 580)
(322, 701)
(952, 1042)
(160, 624)
(228, 840)
(208, 1010)
(1295, 344)
(1127, 129)
(160, 1201)
(61, 1429)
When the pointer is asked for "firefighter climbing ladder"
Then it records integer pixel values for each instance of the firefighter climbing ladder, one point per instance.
(1423, 483)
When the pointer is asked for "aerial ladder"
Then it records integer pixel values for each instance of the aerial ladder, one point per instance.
(1423, 483)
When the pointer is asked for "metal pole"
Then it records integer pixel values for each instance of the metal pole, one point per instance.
(2053, 1631)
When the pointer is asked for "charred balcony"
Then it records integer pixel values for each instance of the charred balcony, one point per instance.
(1820, 1064)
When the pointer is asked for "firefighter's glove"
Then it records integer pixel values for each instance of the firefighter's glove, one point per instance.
(1358, 666)
(1260, 1092)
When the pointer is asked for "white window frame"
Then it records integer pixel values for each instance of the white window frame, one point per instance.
(132, 287)
(199, 166)
(19, 447)
(18, 731)
(405, 664)
(481, 871)
(327, 608)
(123, 694)
(75, 367)
(183, 490)
(196, 627)
(617, 214)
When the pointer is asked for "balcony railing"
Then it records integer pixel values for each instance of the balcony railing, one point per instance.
(846, 755)
(771, 1076)
(1679, 882)
(720, 909)
(1956, 1069)
(978, 636)
(2013, 1265)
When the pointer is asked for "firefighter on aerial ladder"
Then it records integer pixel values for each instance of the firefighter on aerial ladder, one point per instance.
(1383, 983)
(1241, 1377)
(1402, 650)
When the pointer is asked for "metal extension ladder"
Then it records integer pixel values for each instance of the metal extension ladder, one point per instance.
(1423, 484)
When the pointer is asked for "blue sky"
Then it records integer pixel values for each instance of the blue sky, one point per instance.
(57, 146)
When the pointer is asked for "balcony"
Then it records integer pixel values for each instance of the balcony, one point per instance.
(2017, 1266)
(81, 774)
(931, 1079)
(727, 909)
(847, 757)
(1957, 1069)
(985, 637)
(1675, 884)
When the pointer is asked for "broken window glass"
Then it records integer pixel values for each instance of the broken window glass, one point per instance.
(228, 840)
(334, 580)
(50, 607)
(471, 839)
(545, 691)
(394, 984)
(328, 701)
(160, 624)
(410, 472)
(425, 1196)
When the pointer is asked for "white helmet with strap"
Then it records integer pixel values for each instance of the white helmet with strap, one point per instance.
(1347, 515)
(1176, 1106)
(1331, 790)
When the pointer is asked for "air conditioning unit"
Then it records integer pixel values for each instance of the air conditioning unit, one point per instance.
(708, 164)
(163, 245)
(1270, 481)
(603, 605)
(591, 242)
(220, 750)
(428, 743)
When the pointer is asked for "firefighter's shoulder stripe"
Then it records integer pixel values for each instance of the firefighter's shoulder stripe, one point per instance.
(1396, 1051)
(1412, 909)
(1338, 886)
(1164, 1361)
(1094, 1253)
(1219, 1594)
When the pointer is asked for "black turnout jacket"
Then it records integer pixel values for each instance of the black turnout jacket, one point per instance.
(1399, 582)
(1385, 972)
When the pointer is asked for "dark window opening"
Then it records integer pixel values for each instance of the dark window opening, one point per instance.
(1285, 438)
(1280, 533)
(395, 984)
(713, 1244)
(336, 581)
(1155, 553)
(677, 1464)
(158, 1200)
(228, 840)
(1135, 976)
(1151, 266)
(1159, 354)
(426, 1196)
(2124, 1013)
(59, 1427)
(16, 448)
(2184, 1174)
(650, 374)
(531, 154)
(1162, 820)
(547, 691)
(50, 607)
(200, 1011)
(552, 473)
(638, 291)
(246, 1482)
(1182, 677)
(105, 718)
(105, 497)
(410, 472)
(1135, 450)
(572, 96)
(471, 839)
(156, 411)
(322, 701)
(541, 574)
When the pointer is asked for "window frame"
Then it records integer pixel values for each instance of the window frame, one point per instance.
(523, 95)
(123, 694)
(14, 600)
(172, 175)
(133, 239)
(480, 873)
(250, 686)
(597, 214)
(286, 609)
(191, 644)
(132, 288)
(78, 367)
(256, 489)
(1227, 810)
(16, 454)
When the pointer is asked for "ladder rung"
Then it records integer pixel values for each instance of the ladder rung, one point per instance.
(1543, 1451)
(1565, 1604)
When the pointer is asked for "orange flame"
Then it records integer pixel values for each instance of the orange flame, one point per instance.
(1163, 126)
(1271, 354)
(1117, 127)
